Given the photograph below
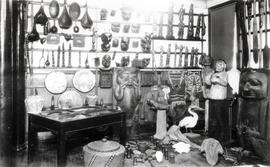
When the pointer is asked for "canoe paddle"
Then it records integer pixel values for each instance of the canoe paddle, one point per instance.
(261, 20)
(249, 13)
(255, 34)
(266, 50)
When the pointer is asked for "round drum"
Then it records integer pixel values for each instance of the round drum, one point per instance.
(104, 153)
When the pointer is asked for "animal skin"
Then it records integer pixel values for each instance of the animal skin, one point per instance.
(212, 148)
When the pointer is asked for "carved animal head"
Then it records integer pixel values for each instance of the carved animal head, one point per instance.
(253, 84)
(220, 65)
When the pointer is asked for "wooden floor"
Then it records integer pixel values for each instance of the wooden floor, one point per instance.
(46, 157)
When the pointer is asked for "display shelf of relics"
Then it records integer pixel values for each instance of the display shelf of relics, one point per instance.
(176, 55)
(253, 28)
(115, 25)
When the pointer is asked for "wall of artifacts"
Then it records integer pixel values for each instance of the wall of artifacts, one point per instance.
(76, 50)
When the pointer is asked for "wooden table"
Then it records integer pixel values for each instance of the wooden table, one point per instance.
(63, 129)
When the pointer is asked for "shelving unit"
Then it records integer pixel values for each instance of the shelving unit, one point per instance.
(88, 35)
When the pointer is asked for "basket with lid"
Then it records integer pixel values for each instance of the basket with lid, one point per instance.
(103, 153)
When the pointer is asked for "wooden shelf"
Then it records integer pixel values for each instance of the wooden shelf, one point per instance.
(98, 8)
(125, 22)
(192, 40)
(172, 68)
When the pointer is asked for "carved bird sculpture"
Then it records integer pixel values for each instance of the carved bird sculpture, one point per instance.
(190, 121)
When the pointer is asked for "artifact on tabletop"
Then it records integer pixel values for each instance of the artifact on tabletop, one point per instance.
(34, 103)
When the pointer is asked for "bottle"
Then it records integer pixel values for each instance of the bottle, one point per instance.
(134, 161)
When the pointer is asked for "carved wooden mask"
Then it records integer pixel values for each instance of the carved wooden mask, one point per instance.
(253, 84)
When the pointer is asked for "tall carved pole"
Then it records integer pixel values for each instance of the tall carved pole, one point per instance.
(11, 76)
(19, 28)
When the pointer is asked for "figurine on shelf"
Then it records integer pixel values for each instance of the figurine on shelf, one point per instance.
(181, 24)
(198, 28)
(186, 57)
(181, 48)
(190, 34)
(218, 108)
(181, 27)
(169, 35)
(192, 57)
(196, 56)
(168, 58)
(94, 38)
(146, 43)
(161, 56)
(160, 29)
(203, 27)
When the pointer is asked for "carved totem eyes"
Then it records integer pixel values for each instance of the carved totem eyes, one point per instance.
(253, 85)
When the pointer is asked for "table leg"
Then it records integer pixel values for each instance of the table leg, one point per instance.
(32, 142)
(123, 131)
(61, 149)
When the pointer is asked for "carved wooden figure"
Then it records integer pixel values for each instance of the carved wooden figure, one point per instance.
(181, 24)
(170, 23)
(198, 28)
(190, 34)
(253, 119)
(127, 94)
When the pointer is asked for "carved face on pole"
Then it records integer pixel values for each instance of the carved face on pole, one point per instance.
(220, 66)
(253, 85)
